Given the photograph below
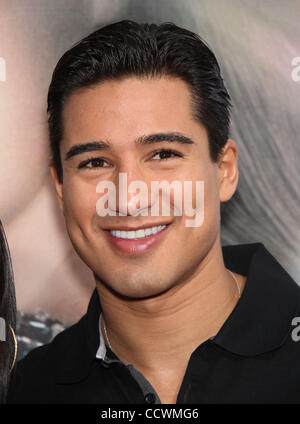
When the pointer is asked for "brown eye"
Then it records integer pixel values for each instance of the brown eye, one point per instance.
(166, 154)
(92, 163)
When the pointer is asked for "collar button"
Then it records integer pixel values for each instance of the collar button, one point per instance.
(150, 398)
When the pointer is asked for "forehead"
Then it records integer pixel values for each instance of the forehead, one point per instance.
(123, 110)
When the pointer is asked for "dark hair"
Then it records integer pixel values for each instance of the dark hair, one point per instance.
(127, 48)
(8, 313)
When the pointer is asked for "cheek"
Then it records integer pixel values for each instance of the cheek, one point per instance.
(79, 202)
(211, 221)
(203, 198)
(199, 190)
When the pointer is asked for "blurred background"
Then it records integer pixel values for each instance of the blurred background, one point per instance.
(255, 43)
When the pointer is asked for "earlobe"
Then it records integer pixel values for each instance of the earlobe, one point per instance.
(228, 171)
(58, 186)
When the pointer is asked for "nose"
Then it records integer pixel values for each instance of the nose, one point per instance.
(133, 195)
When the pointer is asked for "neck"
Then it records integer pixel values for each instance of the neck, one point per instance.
(163, 330)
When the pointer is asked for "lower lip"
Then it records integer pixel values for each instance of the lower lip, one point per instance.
(136, 246)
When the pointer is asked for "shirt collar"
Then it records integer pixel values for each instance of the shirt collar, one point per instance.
(101, 352)
(260, 321)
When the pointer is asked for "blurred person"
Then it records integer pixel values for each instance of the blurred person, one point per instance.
(175, 316)
(8, 341)
(27, 198)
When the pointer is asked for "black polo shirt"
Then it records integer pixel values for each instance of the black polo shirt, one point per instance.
(254, 358)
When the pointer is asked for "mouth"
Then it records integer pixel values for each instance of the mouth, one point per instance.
(136, 241)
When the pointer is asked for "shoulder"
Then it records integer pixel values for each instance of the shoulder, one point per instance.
(34, 375)
(37, 357)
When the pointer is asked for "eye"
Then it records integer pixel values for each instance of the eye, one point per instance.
(92, 163)
(166, 154)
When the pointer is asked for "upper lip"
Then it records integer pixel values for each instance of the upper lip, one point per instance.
(139, 227)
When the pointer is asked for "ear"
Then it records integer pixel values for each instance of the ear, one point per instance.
(58, 186)
(228, 170)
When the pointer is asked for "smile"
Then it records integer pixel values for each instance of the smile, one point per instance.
(138, 233)
(136, 241)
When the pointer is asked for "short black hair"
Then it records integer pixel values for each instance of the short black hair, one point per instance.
(128, 48)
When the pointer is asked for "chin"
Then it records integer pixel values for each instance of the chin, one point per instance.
(136, 288)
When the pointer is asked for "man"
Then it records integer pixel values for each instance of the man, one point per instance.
(175, 317)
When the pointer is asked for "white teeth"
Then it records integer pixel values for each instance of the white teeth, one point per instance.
(148, 231)
(138, 233)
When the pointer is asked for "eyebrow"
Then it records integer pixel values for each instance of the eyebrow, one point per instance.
(171, 137)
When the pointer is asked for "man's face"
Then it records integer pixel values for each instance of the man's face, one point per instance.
(120, 113)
